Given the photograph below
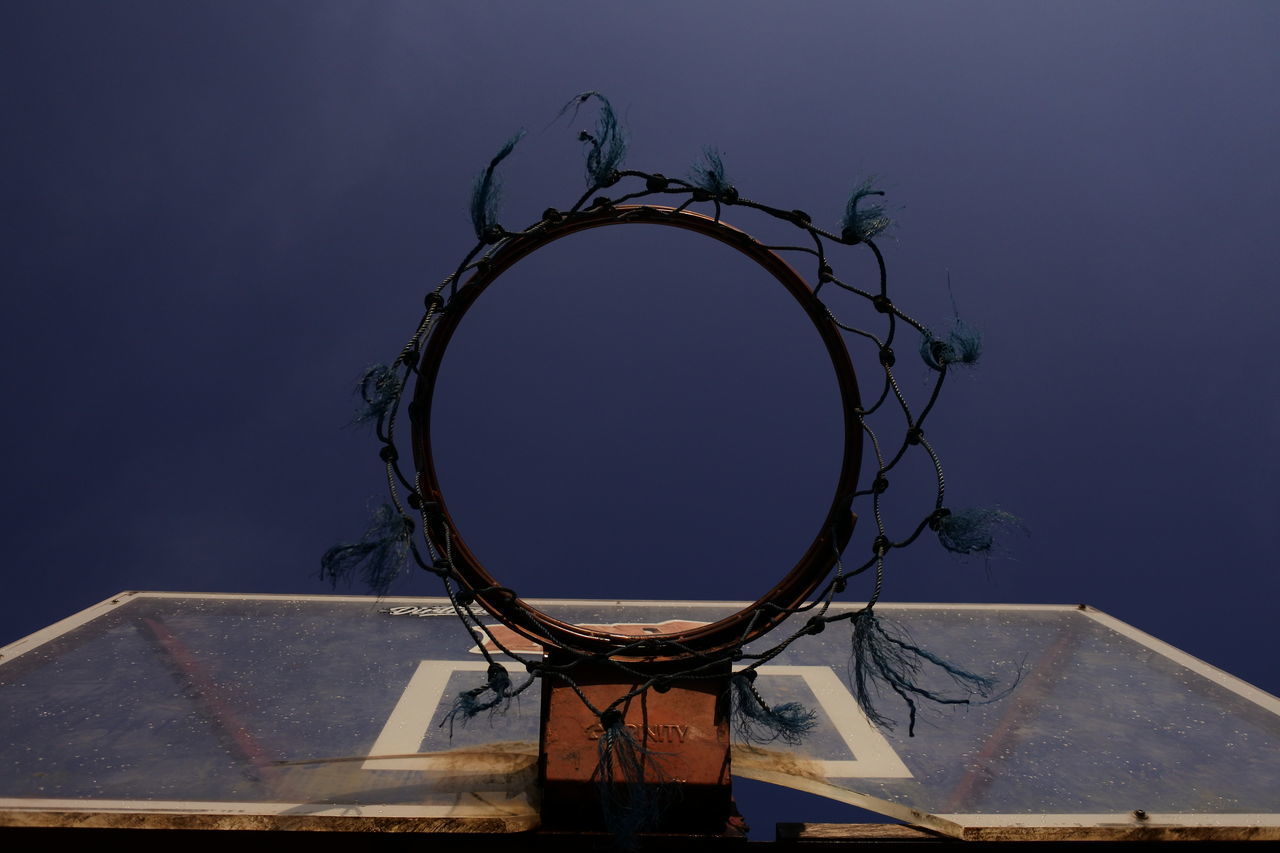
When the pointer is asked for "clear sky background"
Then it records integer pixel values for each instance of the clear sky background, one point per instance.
(216, 214)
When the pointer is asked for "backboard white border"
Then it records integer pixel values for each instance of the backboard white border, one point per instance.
(407, 727)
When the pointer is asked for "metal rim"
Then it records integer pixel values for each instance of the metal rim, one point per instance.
(729, 633)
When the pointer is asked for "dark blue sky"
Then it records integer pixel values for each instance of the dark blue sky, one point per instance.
(217, 214)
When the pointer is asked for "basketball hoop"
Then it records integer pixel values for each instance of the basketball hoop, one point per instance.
(814, 565)
(602, 687)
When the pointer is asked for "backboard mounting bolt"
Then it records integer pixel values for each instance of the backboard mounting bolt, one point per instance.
(1140, 814)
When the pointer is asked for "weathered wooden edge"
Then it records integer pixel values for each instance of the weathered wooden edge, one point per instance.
(862, 832)
(1122, 833)
(855, 832)
(32, 818)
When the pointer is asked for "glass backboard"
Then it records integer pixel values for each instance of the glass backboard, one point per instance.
(194, 710)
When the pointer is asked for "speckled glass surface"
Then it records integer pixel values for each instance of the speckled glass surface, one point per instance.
(330, 703)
